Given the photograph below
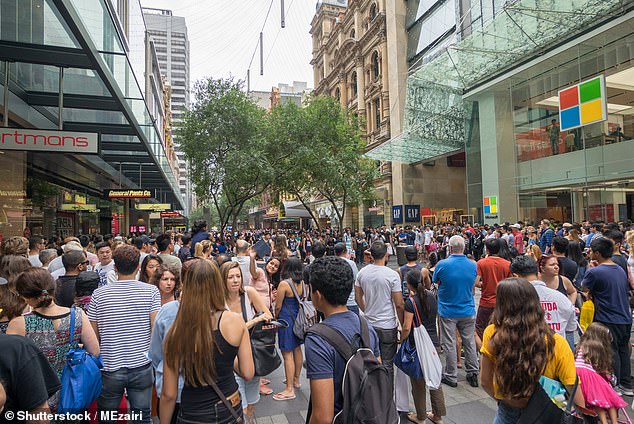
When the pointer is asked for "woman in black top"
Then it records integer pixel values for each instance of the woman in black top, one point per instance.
(421, 309)
(202, 345)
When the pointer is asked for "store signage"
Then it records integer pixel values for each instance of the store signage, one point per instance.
(13, 193)
(170, 215)
(397, 214)
(490, 205)
(128, 194)
(78, 207)
(412, 213)
(583, 104)
(48, 141)
(155, 207)
(80, 199)
(375, 209)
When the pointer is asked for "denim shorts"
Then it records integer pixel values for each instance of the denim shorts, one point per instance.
(249, 391)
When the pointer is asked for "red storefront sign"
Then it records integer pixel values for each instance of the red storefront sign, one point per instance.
(48, 141)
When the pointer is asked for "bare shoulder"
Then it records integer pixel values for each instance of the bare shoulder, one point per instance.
(232, 327)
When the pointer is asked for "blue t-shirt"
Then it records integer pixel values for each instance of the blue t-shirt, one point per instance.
(323, 361)
(608, 285)
(457, 275)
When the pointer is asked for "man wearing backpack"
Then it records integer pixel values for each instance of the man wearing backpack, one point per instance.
(327, 359)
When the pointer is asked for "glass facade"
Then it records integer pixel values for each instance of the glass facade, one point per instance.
(519, 154)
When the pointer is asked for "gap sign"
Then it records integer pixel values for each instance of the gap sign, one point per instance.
(583, 104)
(412, 213)
(397, 214)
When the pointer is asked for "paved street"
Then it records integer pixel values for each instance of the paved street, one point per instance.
(465, 404)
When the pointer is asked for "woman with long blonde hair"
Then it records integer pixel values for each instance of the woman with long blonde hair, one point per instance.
(518, 348)
(202, 346)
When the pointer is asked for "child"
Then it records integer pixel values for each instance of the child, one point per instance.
(594, 367)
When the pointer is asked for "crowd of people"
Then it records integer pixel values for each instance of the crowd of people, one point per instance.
(172, 315)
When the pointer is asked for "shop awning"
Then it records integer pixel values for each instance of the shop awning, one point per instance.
(295, 210)
(102, 81)
(437, 118)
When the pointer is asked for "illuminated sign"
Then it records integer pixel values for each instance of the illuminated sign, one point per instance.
(583, 104)
(155, 207)
(170, 215)
(128, 194)
(48, 141)
(78, 207)
(490, 205)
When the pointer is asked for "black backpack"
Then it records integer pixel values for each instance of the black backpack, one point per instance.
(368, 397)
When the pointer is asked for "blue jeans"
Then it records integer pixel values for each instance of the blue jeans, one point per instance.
(507, 414)
(137, 383)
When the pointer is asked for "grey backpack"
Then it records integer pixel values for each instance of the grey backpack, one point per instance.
(367, 389)
(307, 315)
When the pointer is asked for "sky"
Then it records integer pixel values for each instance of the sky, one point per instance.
(224, 34)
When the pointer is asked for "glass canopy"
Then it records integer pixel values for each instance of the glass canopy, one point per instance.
(437, 118)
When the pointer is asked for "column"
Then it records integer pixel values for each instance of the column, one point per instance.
(343, 89)
(360, 84)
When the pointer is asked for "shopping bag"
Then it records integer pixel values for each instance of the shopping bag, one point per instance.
(587, 314)
(428, 357)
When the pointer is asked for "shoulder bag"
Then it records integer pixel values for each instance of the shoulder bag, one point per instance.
(427, 353)
(306, 316)
(265, 356)
(81, 377)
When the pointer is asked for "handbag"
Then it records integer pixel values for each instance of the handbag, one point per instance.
(427, 354)
(262, 335)
(406, 360)
(307, 314)
(542, 410)
(81, 377)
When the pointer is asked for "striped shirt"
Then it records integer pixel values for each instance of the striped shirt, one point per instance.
(122, 311)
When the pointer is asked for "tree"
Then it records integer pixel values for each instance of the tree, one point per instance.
(327, 154)
(221, 137)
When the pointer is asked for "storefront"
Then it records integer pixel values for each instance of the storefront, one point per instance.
(523, 156)
(494, 93)
(75, 119)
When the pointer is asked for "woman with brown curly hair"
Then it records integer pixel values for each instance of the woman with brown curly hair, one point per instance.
(518, 348)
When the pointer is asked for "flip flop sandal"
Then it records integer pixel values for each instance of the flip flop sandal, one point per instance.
(280, 397)
(297, 386)
(430, 417)
(265, 391)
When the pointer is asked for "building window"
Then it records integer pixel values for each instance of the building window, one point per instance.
(338, 94)
(375, 65)
(353, 79)
(352, 33)
(372, 11)
(377, 113)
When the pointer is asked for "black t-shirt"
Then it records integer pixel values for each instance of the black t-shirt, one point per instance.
(428, 319)
(28, 378)
(567, 267)
(621, 261)
(65, 290)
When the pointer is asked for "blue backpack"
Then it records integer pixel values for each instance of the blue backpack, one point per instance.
(81, 377)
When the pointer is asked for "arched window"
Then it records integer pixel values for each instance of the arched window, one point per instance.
(372, 11)
(375, 65)
(352, 34)
(353, 80)
(337, 94)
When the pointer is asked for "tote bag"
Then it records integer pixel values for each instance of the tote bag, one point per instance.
(427, 354)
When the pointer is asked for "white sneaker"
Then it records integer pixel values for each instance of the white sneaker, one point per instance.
(626, 392)
(618, 390)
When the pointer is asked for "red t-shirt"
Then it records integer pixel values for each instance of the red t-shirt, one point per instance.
(492, 270)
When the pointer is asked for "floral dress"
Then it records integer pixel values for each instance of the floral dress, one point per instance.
(53, 344)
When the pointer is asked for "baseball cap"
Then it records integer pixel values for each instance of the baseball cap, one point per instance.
(518, 226)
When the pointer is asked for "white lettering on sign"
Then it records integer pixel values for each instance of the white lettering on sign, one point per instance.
(48, 141)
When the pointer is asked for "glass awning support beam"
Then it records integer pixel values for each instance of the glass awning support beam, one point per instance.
(44, 55)
(60, 106)
(520, 27)
(73, 101)
(5, 117)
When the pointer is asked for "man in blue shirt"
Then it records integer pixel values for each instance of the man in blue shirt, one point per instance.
(609, 285)
(331, 282)
(546, 238)
(456, 277)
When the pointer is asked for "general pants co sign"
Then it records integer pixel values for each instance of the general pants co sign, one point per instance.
(49, 141)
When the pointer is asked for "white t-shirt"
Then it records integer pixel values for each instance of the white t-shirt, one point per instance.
(378, 283)
(558, 310)
(245, 267)
(106, 273)
(351, 301)
(35, 260)
(428, 236)
(56, 264)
